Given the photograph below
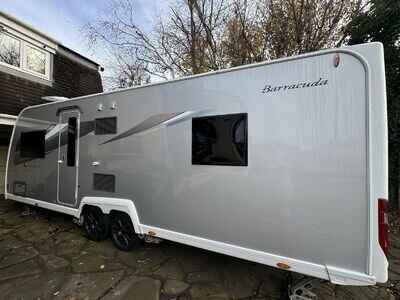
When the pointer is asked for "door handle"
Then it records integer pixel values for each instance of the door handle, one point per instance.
(60, 161)
(96, 163)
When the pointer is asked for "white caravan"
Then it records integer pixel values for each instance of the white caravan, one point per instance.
(283, 163)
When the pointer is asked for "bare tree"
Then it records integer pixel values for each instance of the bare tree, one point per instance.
(123, 70)
(300, 26)
(184, 40)
(244, 41)
(195, 36)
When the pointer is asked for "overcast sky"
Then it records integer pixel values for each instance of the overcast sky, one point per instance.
(62, 19)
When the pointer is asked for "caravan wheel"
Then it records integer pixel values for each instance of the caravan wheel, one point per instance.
(95, 224)
(123, 233)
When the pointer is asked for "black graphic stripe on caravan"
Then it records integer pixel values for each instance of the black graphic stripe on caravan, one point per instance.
(150, 122)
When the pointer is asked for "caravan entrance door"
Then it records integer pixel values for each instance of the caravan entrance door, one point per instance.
(68, 158)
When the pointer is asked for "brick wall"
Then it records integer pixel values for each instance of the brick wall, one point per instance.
(70, 79)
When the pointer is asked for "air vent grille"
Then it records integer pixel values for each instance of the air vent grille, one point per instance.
(105, 126)
(19, 188)
(104, 182)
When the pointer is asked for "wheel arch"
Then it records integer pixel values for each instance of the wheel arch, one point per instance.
(110, 205)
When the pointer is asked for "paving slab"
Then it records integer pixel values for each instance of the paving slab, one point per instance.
(5, 231)
(171, 269)
(394, 252)
(86, 263)
(394, 276)
(9, 284)
(204, 291)
(88, 285)
(191, 258)
(135, 288)
(394, 240)
(23, 269)
(238, 284)
(190, 263)
(175, 287)
(35, 232)
(52, 263)
(13, 215)
(16, 256)
(62, 244)
(42, 286)
(211, 275)
(105, 249)
(394, 265)
(143, 259)
(269, 287)
(373, 292)
(9, 242)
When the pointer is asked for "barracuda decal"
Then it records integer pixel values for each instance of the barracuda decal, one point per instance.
(269, 88)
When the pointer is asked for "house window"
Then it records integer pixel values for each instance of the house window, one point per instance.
(35, 60)
(24, 56)
(10, 50)
(220, 140)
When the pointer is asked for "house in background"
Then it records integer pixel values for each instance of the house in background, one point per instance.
(33, 66)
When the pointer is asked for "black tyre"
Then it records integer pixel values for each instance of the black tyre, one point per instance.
(123, 233)
(95, 224)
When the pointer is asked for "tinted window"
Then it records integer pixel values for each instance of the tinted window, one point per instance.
(71, 147)
(220, 140)
(106, 126)
(33, 144)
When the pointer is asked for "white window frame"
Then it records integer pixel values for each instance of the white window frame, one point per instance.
(20, 52)
(46, 74)
(23, 57)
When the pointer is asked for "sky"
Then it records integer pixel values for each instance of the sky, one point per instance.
(63, 19)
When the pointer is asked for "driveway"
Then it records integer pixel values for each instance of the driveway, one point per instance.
(46, 256)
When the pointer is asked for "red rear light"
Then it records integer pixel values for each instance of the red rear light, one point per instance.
(383, 224)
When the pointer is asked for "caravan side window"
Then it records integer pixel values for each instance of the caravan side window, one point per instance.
(33, 144)
(220, 140)
(105, 126)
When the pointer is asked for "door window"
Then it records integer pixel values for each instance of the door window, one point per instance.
(71, 147)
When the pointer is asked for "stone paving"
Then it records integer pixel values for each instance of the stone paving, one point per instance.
(46, 256)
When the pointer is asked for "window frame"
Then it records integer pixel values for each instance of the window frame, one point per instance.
(23, 56)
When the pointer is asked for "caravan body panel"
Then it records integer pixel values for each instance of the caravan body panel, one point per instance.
(306, 193)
